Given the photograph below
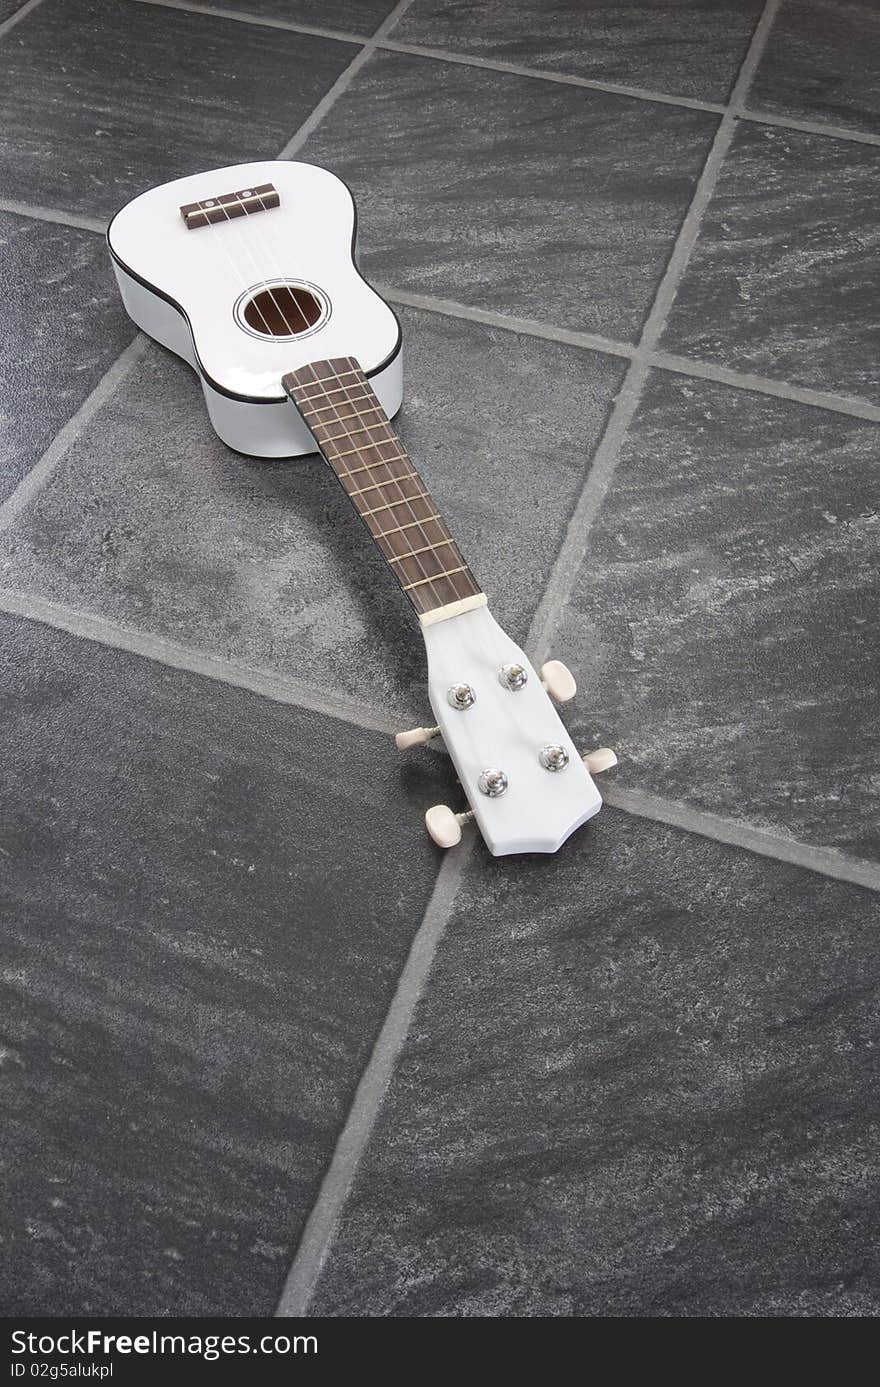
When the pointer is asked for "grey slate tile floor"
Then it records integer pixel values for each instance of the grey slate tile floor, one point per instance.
(637, 1078)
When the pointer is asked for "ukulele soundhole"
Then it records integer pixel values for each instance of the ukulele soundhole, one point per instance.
(282, 310)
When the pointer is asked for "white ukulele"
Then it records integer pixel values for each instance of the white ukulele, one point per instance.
(248, 274)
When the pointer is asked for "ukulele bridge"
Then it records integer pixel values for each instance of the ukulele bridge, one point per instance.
(229, 205)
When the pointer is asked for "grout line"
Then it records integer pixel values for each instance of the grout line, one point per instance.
(574, 543)
(661, 360)
(529, 327)
(261, 21)
(49, 214)
(298, 693)
(13, 19)
(343, 81)
(762, 385)
(267, 683)
(359, 1125)
(34, 480)
(810, 127)
(829, 862)
(686, 239)
(442, 55)
(600, 473)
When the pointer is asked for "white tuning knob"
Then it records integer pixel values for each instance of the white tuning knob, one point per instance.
(444, 826)
(602, 759)
(558, 680)
(416, 736)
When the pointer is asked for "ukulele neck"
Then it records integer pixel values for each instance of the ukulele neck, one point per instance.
(355, 436)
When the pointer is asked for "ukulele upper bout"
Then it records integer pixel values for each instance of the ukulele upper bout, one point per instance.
(248, 273)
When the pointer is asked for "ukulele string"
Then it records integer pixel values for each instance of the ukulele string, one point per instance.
(420, 521)
(261, 283)
(238, 271)
(429, 580)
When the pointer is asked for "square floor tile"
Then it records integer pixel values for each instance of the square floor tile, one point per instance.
(198, 951)
(62, 327)
(510, 193)
(784, 277)
(726, 618)
(641, 1081)
(821, 63)
(150, 520)
(690, 48)
(198, 92)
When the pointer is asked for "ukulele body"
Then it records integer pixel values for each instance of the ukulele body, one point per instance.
(245, 298)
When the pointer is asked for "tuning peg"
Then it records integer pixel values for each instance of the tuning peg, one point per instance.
(558, 680)
(602, 759)
(444, 826)
(416, 736)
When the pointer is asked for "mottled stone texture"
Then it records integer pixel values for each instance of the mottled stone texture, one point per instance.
(725, 622)
(351, 16)
(642, 1082)
(821, 63)
(152, 521)
(193, 968)
(63, 327)
(690, 48)
(784, 277)
(531, 198)
(198, 92)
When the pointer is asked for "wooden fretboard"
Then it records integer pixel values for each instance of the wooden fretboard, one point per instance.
(355, 436)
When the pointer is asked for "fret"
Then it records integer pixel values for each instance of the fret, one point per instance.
(319, 380)
(425, 549)
(361, 428)
(389, 481)
(383, 534)
(434, 577)
(401, 501)
(398, 457)
(338, 405)
(343, 418)
(340, 390)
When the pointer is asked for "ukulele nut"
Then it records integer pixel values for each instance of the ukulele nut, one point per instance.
(553, 758)
(492, 783)
(460, 696)
(513, 677)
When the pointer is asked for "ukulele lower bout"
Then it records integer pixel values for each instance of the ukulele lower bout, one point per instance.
(248, 273)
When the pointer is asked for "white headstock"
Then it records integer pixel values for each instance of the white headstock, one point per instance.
(526, 784)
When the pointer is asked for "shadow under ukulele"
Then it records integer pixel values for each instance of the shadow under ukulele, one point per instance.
(248, 274)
